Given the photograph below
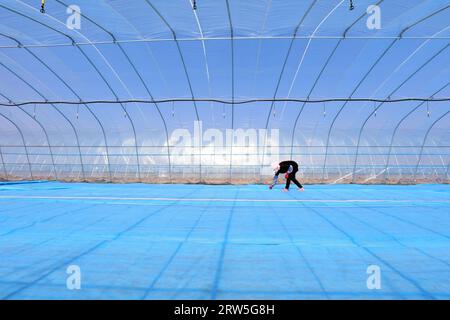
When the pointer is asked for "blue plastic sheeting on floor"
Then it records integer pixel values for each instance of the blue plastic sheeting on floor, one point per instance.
(137, 241)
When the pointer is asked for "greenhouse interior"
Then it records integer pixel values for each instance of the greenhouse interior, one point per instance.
(142, 141)
(154, 91)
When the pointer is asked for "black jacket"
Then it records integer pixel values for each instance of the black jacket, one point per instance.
(284, 166)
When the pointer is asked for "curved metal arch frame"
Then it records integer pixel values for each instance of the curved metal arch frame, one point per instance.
(343, 106)
(424, 141)
(33, 118)
(57, 110)
(288, 53)
(448, 170)
(286, 58)
(200, 29)
(367, 74)
(157, 107)
(230, 23)
(114, 40)
(400, 65)
(20, 45)
(398, 126)
(86, 106)
(330, 56)
(96, 69)
(258, 52)
(205, 56)
(307, 47)
(24, 144)
(381, 104)
(43, 129)
(3, 164)
(121, 105)
(174, 35)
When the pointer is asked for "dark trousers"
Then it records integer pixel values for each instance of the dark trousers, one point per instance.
(293, 179)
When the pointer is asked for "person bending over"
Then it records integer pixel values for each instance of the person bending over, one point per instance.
(289, 168)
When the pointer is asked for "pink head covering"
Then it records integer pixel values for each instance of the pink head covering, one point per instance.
(275, 165)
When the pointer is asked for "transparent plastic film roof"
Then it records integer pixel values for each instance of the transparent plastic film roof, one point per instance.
(214, 91)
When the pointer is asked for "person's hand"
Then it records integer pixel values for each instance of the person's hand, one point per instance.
(285, 190)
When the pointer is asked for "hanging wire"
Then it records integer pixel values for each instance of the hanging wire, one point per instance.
(236, 102)
(173, 108)
(78, 110)
(428, 109)
(34, 111)
(194, 5)
(43, 6)
(374, 109)
(324, 109)
(351, 5)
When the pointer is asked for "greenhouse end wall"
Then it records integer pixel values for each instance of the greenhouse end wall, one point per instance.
(236, 165)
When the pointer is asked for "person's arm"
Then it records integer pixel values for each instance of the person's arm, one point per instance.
(275, 179)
